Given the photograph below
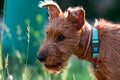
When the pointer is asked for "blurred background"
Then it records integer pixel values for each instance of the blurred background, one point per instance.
(22, 23)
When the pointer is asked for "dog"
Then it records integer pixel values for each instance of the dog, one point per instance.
(68, 33)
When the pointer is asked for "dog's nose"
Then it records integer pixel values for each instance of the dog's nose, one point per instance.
(41, 58)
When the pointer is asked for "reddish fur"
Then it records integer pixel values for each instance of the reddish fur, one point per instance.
(109, 62)
(75, 43)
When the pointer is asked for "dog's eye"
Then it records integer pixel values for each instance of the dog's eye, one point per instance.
(60, 38)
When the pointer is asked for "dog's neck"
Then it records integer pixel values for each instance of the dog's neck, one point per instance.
(85, 53)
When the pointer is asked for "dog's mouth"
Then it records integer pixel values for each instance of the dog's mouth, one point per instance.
(56, 68)
(52, 66)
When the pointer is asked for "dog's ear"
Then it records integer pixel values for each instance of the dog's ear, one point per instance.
(76, 16)
(53, 9)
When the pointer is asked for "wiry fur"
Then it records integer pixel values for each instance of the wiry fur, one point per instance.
(109, 53)
(76, 38)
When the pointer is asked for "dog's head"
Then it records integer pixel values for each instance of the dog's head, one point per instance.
(62, 36)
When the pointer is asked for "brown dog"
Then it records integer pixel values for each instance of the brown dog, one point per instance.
(69, 34)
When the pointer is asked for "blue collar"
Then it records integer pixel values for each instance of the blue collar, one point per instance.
(95, 45)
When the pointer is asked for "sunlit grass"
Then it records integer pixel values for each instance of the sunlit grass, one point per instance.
(1, 64)
(26, 72)
(74, 78)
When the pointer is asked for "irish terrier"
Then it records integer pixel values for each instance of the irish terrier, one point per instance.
(68, 33)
